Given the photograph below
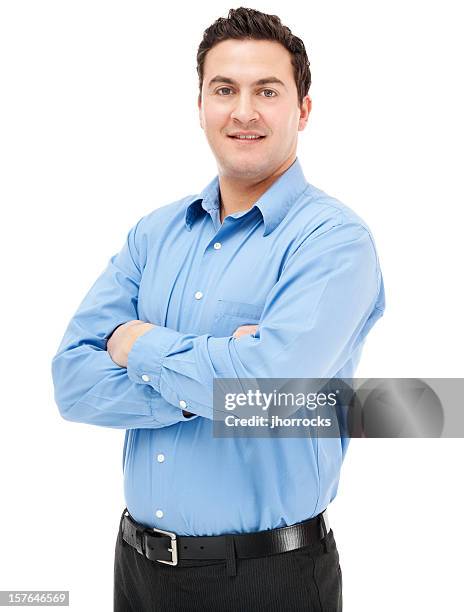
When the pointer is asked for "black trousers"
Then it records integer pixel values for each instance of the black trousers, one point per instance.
(306, 579)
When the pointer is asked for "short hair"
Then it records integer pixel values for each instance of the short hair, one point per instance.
(244, 23)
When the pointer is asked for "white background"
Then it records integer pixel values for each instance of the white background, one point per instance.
(98, 127)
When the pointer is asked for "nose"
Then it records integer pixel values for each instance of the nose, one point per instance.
(244, 110)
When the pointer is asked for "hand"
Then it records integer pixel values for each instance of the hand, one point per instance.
(244, 330)
(122, 339)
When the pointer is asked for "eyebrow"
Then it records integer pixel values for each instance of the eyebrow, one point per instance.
(223, 79)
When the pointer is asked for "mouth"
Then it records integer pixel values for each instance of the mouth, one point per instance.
(247, 141)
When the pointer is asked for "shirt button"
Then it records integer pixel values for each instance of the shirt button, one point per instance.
(183, 404)
(159, 513)
(198, 295)
(160, 457)
(145, 377)
(217, 245)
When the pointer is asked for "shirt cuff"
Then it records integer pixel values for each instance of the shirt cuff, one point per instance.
(145, 358)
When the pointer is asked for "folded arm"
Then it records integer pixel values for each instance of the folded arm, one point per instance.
(328, 296)
(88, 386)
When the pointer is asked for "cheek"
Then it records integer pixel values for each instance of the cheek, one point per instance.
(214, 118)
(283, 118)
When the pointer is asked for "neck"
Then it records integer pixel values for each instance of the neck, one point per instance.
(237, 195)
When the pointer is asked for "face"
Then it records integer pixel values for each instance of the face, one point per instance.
(248, 86)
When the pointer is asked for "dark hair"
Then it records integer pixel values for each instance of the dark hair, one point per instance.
(243, 23)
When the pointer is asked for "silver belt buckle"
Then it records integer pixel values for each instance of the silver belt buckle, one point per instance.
(173, 549)
(325, 516)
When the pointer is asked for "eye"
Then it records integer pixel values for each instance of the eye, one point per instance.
(221, 89)
(271, 91)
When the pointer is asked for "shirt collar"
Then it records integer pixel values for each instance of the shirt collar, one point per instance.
(274, 203)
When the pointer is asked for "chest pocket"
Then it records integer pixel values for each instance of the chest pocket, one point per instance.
(230, 315)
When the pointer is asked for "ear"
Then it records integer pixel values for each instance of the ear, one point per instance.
(305, 109)
(200, 111)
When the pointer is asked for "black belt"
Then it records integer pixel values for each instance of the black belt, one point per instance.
(168, 547)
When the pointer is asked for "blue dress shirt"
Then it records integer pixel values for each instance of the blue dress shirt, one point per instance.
(298, 263)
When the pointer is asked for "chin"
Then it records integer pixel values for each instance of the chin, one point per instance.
(244, 167)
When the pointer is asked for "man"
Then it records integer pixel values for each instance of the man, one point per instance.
(261, 275)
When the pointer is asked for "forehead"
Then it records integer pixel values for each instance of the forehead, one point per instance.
(244, 60)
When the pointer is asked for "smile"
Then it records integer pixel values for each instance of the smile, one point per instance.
(247, 139)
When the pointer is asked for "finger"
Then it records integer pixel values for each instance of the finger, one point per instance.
(247, 328)
(244, 330)
(132, 323)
